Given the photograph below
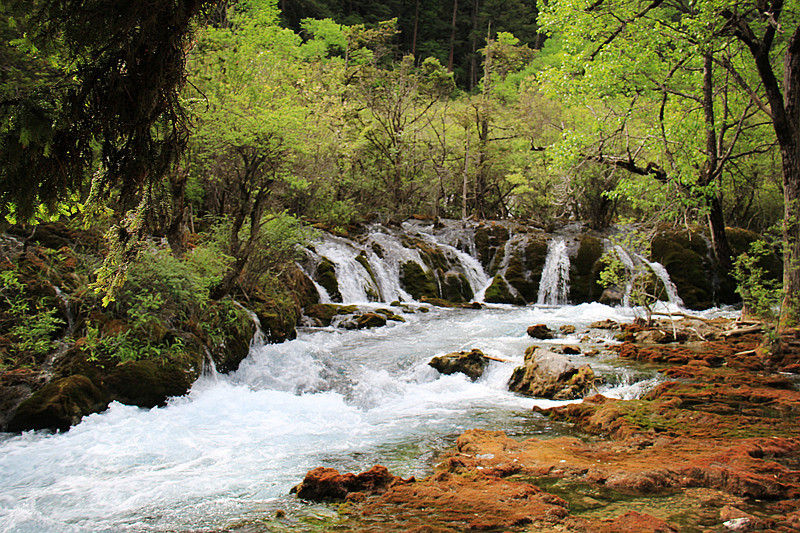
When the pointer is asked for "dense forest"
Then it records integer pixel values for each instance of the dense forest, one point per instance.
(196, 143)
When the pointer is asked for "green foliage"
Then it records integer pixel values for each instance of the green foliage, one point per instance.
(761, 294)
(161, 294)
(30, 321)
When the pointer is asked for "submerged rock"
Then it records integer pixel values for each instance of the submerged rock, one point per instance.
(471, 363)
(327, 484)
(547, 374)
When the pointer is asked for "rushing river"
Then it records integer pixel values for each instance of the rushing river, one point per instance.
(230, 450)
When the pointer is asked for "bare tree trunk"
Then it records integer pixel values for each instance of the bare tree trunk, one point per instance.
(452, 37)
(416, 28)
(711, 171)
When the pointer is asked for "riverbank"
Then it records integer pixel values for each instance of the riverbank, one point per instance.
(716, 447)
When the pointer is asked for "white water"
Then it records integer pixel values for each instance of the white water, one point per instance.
(554, 285)
(235, 445)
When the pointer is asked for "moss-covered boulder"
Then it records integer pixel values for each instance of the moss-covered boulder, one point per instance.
(584, 271)
(370, 320)
(323, 313)
(455, 287)
(372, 291)
(231, 330)
(59, 405)
(417, 282)
(301, 287)
(498, 292)
(325, 275)
(148, 383)
(471, 363)
(527, 286)
(489, 240)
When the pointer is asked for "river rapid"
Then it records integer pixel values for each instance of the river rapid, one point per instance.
(228, 453)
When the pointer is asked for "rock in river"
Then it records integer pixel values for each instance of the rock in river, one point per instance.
(471, 363)
(547, 374)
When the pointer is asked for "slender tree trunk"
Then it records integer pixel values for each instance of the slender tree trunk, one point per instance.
(473, 62)
(790, 308)
(416, 28)
(452, 37)
(711, 171)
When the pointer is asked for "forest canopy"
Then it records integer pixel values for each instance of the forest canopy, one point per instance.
(185, 117)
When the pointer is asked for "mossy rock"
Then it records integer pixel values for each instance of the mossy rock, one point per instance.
(372, 291)
(431, 256)
(471, 363)
(148, 383)
(528, 288)
(231, 329)
(324, 313)
(59, 405)
(390, 315)
(418, 283)
(370, 320)
(690, 271)
(489, 240)
(535, 256)
(455, 287)
(325, 275)
(584, 276)
(301, 287)
(499, 293)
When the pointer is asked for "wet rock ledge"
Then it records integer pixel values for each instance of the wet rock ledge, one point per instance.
(715, 447)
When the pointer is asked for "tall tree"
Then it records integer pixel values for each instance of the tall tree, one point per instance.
(90, 86)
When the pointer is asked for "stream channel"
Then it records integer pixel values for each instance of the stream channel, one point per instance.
(225, 456)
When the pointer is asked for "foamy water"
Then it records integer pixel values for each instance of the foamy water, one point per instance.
(236, 444)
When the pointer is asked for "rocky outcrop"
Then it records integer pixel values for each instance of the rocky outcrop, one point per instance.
(59, 405)
(417, 282)
(498, 292)
(547, 374)
(471, 363)
(327, 484)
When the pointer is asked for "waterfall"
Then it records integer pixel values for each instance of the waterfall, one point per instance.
(554, 285)
(662, 274)
(258, 339)
(630, 263)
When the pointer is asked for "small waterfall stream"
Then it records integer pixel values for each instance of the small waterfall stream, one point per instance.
(554, 285)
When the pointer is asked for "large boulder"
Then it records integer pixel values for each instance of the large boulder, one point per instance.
(59, 405)
(148, 383)
(471, 363)
(546, 374)
(325, 275)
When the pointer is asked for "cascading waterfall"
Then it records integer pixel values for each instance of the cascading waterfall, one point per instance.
(554, 285)
(662, 274)
(629, 261)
